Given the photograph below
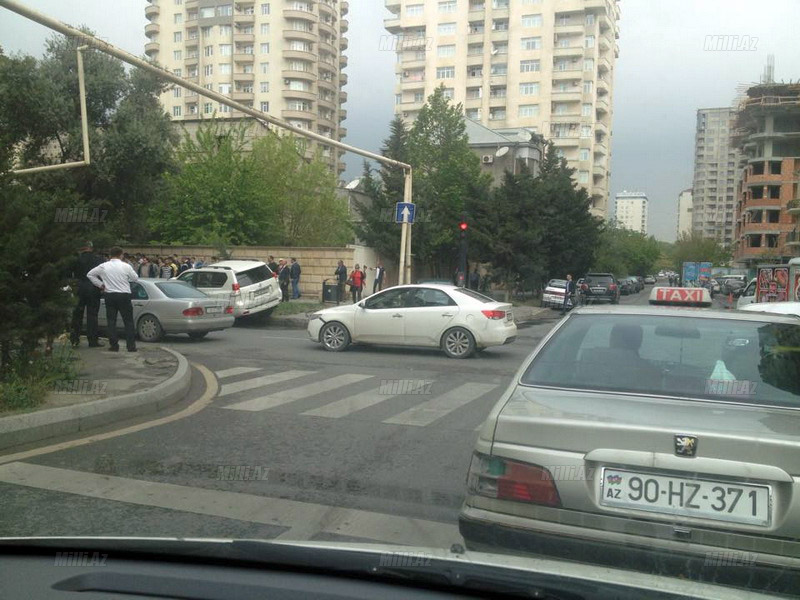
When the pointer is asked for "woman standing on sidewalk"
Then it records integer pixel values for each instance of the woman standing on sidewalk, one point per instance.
(356, 283)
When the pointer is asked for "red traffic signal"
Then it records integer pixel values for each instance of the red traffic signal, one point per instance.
(462, 226)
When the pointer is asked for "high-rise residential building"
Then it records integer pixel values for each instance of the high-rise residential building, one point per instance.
(715, 172)
(283, 57)
(768, 208)
(631, 211)
(543, 65)
(684, 213)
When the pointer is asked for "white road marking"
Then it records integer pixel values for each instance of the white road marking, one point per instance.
(257, 382)
(298, 393)
(434, 409)
(346, 406)
(305, 518)
(235, 371)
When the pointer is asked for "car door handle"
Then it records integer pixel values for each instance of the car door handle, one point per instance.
(138, 303)
(397, 316)
(447, 314)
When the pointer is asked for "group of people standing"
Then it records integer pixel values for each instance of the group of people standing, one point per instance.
(288, 274)
(357, 280)
(164, 267)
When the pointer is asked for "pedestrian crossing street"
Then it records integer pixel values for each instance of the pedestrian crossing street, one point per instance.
(321, 394)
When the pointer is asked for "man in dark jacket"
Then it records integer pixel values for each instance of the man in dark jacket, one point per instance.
(88, 297)
(294, 272)
(341, 278)
(569, 293)
(377, 285)
(283, 280)
(273, 266)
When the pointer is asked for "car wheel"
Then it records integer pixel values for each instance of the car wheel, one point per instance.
(458, 343)
(334, 337)
(198, 335)
(149, 329)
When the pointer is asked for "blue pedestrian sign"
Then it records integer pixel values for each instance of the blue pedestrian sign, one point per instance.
(404, 212)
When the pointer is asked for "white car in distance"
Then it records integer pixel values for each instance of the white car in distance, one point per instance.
(459, 321)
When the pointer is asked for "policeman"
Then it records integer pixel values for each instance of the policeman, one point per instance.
(88, 297)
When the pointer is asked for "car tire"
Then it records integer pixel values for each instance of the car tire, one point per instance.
(149, 329)
(334, 337)
(458, 343)
(198, 335)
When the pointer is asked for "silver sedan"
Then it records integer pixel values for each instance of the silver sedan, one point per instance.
(161, 306)
(664, 439)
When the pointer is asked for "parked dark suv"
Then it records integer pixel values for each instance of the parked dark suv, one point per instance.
(600, 287)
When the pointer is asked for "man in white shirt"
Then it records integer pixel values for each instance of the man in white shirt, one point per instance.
(114, 278)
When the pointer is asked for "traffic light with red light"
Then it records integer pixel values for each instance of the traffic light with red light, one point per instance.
(463, 226)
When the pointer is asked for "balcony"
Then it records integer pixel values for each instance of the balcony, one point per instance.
(305, 115)
(328, 28)
(793, 207)
(244, 38)
(329, 103)
(342, 132)
(343, 79)
(343, 44)
(151, 10)
(323, 83)
(305, 75)
(567, 96)
(241, 57)
(603, 64)
(602, 105)
(326, 122)
(151, 48)
(570, 29)
(245, 77)
(300, 55)
(793, 238)
(342, 97)
(299, 34)
(568, 51)
(327, 47)
(191, 4)
(393, 25)
(152, 29)
(344, 7)
(567, 74)
(342, 61)
(598, 171)
(191, 60)
(601, 127)
(342, 114)
(243, 19)
(300, 95)
(240, 95)
(344, 25)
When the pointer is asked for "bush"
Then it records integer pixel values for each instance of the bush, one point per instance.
(26, 381)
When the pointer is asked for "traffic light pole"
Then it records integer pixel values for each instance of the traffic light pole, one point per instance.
(404, 272)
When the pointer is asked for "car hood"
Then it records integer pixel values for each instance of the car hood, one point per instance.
(454, 567)
(584, 421)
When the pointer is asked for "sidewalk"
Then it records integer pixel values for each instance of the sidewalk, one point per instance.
(109, 387)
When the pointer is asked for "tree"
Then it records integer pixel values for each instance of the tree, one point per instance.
(625, 252)
(693, 247)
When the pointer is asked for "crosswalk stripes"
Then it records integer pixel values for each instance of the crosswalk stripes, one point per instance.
(436, 408)
(257, 382)
(298, 393)
(335, 401)
(234, 371)
(346, 406)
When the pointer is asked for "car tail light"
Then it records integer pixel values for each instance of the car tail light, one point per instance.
(195, 311)
(612, 287)
(236, 287)
(229, 310)
(503, 479)
(494, 314)
(584, 286)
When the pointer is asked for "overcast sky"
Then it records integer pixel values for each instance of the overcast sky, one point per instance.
(663, 75)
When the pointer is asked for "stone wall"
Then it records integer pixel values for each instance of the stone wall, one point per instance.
(317, 264)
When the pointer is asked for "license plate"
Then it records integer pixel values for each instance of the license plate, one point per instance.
(700, 498)
(599, 290)
(213, 309)
(261, 291)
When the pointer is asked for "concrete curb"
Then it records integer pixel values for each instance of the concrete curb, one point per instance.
(289, 321)
(36, 426)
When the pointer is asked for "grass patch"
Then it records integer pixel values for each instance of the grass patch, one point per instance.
(27, 380)
(296, 308)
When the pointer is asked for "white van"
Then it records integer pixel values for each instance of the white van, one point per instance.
(250, 285)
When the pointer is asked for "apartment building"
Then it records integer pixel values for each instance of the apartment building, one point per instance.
(631, 211)
(768, 207)
(542, 65)
(715, 173)
(685, 209)
(284, 57)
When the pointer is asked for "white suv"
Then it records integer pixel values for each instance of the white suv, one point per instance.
(250, 285)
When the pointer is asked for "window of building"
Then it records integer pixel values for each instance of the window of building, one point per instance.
(583, 176)
(475, 50)
(265, 68)
(225, 10)
(529, 89)
(446, 51)
(224, 108)
(207, 12)
(588, 64)
(177, 55)
(586, 110)
(415, 10)
(500, 48)
(265, 9)
(177, 18)
(475, 71)
(225, 88)
(225, 49)
(447, 29)
(474, 114)
(531, 43)
(586, 131)
(208, 70)
(588, 41)
(265, 107)
(177, 37)
(448, 6)
(265, 48)
(529, 66)
(178, 72)
(176, 92)
(178, 2)
(208, 108)
(264, 28)
(225, 31)
(300, 46)
(583, 154)
(448, 93)
(528, 110)
(499, 3)
(445, 72)
(474, 93)
(264, 87)
(225, 69)
(531, 20)
(588, 87)
(499, 69)
(206, 31)
(208, 51)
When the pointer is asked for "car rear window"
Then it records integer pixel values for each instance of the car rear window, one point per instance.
(474, 295)
(599, 279)
(179, 289)
(204, 279)
(716, 359)
(253, 276)
(557, 283)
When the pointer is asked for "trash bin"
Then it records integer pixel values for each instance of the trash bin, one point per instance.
(329, 291)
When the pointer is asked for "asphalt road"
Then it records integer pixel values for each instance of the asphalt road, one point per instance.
(298, 444)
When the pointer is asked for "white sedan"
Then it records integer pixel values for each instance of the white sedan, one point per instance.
(457, 320)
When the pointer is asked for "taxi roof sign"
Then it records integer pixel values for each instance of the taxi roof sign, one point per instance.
(680, 296)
